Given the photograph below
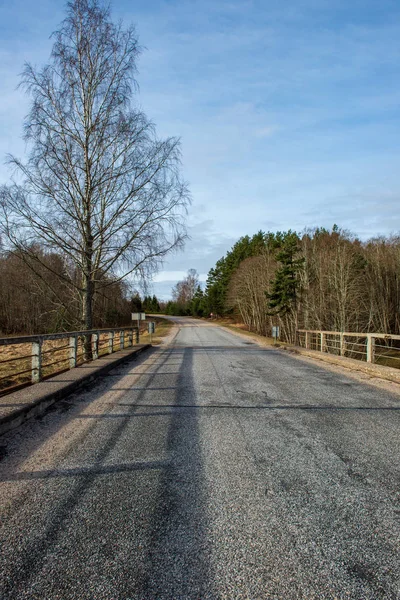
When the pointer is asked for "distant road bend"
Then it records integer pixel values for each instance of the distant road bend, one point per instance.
(210, 468)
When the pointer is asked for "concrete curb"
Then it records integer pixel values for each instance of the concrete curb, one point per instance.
(34, 400)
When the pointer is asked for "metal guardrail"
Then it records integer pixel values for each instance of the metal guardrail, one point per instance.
(36, 352)
(371, 347)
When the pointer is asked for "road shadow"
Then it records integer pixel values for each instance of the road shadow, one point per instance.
(34, 433)
(178, 563)
(171, 560)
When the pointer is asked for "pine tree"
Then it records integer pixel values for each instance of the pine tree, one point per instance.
(136, 303)
(197, 308)
(155, 305)
(285, 286)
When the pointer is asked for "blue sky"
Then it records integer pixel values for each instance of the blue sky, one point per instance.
(289, 112)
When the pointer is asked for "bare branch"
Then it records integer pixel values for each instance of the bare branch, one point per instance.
(98, 186)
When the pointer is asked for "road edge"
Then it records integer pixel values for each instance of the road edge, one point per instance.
(377, 375)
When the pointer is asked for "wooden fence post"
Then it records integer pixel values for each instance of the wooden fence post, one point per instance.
(370, 348)
(36, 361)
(137, 335)
(323, 341)
(342, 345)
(130, 338)
(73, 348)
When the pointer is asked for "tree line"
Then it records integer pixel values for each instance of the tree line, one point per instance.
(187, 297)
(34, 302)
(318, 279)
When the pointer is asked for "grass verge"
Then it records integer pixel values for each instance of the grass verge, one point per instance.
(163, 328)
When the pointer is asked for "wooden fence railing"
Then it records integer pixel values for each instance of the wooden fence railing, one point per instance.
(380, 348)
(28, 359)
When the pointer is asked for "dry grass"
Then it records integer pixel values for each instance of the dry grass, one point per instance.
(389, 358)
(15, 360)
(15, 363)
(163, 328)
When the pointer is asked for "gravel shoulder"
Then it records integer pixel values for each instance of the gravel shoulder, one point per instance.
(382, 377)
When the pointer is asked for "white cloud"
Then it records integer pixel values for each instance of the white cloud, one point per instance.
(286, 112)
(174, 276)
(265, 131)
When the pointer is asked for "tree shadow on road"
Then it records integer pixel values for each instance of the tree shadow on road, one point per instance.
(178, 565)
(165, 550)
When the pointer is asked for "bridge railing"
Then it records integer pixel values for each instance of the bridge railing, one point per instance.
(29, 359)
(381, 348)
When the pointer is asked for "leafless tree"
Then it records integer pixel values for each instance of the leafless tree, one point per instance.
(184, 291)
(247, 289)
(98, 184)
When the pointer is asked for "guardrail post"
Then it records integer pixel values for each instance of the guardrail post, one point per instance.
(370, 348)
(342, 345)
(307, 342)
(110, 342)
(323, 341)
(73, 349)
(130, 338)
(121, 340)
(95, 351)
(137, 335)
(36, 361)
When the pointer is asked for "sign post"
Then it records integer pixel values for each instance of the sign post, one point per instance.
(275, 332)
(138, 317)
(151, 329)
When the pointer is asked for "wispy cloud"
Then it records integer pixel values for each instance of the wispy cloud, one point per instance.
(288, 113)
(264, 132)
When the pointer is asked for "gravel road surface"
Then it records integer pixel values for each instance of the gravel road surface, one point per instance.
(210, 468)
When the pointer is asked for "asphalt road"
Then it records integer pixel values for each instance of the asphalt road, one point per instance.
(210, 468)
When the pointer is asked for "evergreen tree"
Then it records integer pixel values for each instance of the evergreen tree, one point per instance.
(155, 305)
(136, 303)
(146, 304)
(197, 308)
(219, 277)
(285, 286)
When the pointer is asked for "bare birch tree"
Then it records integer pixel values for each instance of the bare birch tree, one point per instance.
(247, 289)
(183, 292)
(98, 184)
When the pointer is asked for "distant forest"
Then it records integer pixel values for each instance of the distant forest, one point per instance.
(34, 298)
(318, 279)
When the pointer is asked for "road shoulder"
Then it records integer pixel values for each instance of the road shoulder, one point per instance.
(382, 377)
